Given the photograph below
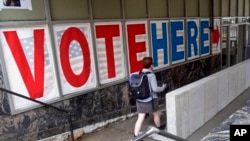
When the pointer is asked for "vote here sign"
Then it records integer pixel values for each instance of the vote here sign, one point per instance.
(78, 57)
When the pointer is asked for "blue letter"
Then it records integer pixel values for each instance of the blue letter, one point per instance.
(177, 40)
(159, 43)
(192, 37)
(204, 37)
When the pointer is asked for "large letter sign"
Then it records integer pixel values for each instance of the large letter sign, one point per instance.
(177, 40)
(159, 37)
(32, 71)
(216, 40)
(27, 53)
(71, 34)
(192, 39)
(205, 36)
(34, 84)
(76, 57)
(109, 49)
(137, 44)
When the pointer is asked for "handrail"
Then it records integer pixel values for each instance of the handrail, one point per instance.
(152, 130)
(47, 105)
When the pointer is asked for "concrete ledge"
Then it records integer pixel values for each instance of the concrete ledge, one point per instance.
(190, 107)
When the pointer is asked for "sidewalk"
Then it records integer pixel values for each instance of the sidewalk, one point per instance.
(123, 131)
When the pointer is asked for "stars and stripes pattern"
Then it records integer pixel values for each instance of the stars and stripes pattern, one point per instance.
(159, 35)
(141, 38)
(28, 47)
(102, 58)
(193, 55)
(75, 53)
(76, 57)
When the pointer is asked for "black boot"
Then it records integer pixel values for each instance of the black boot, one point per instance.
(162, 127)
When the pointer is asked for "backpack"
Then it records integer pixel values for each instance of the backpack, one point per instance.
(139, 86)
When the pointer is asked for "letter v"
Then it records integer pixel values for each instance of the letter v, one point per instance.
(34, 85)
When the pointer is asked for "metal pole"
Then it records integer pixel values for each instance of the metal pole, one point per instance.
(71, 127)
(47, 105)
(152, 130)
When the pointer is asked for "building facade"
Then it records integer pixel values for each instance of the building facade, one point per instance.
(78, 55)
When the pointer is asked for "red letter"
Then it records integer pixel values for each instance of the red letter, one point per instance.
(35, 86)
(69, 35)
(108, 32)
(135, 47)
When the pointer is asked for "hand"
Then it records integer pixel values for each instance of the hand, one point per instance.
(164, 85)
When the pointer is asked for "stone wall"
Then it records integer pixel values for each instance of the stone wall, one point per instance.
(94, 107)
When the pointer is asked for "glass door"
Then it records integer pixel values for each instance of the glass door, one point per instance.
(225, 44)
(230, 45)
(233, 44)
(247, 42)
(241, 42)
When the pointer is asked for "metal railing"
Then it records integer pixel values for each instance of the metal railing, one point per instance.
(152, 130)
(47, 105)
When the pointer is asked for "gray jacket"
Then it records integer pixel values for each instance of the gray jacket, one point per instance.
(153, 85)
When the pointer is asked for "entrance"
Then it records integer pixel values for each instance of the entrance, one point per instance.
(247, 42)
(235, 46)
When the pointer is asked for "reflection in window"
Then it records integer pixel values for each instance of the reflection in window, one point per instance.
(233, 32)
(248, 42)
(224, 35)
(228, 21)
(247, 34)
(242, 20)
(233, 44)
(224, 46)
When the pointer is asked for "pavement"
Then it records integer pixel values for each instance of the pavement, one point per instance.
(123, 131)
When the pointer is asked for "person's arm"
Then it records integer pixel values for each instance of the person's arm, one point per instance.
(154, 86)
